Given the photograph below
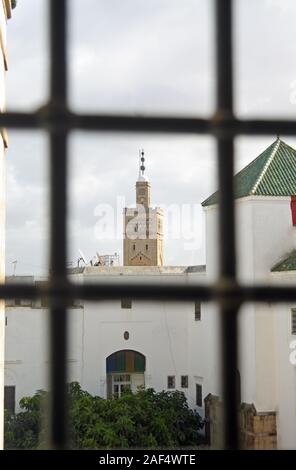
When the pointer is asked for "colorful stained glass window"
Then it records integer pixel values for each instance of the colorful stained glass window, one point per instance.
(125, 361)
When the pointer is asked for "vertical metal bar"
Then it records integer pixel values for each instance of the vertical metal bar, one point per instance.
(58, 188)
(228, 310)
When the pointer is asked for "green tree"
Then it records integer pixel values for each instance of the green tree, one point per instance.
(23, 430)
(140, 420)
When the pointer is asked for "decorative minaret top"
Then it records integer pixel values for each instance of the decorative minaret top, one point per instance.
(142, 167)
(142, 185)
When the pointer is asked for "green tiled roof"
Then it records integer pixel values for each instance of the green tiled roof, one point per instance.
(288, 264)
(273, 173)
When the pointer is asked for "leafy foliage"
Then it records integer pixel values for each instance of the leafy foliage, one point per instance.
(140, 420)
(22, 429)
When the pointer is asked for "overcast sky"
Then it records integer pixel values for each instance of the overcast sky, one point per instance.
(137, 56)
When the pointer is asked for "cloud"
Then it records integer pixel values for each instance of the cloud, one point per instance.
(139, 56)
(136, 56)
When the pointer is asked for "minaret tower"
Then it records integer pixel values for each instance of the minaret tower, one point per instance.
(143, 226)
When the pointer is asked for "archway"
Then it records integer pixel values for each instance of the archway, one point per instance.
(125, 372)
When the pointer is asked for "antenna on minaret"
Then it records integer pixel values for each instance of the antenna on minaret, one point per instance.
(141, 162)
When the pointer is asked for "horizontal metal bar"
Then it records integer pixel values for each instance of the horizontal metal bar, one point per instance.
(172, 291)
(105, 291)
(20, 120)
(217, 125)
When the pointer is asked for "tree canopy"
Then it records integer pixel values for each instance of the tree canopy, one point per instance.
(140, 420)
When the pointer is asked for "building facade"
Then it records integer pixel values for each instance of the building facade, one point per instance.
(5, 14)
(119, 345)
(114, 345)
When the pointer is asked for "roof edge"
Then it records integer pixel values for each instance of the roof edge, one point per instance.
(267, 164)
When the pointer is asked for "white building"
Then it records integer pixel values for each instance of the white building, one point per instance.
(159, 332)
(5, 14)
(266, 220)
(165, 345)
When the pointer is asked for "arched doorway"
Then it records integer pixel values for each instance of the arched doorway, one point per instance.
(125, 372)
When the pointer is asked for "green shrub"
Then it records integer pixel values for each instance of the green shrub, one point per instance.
(140, 420)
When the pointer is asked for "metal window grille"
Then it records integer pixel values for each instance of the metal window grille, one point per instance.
(56, 118)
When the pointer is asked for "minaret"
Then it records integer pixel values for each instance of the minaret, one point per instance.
(143, 226)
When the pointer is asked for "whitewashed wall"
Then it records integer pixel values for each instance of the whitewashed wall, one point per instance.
(162, 331)
(285, 369)
(264, 235)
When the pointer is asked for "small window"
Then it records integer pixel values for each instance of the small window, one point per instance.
(146, 247)
(198, 395)
(126, 303)
(184, 381)
(171, 381)
(197, 311)
(293, 321)
(9, 398)
(134, 247)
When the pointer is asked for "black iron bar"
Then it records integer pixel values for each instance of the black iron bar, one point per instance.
(172, 291)
(58, 223)
(227, 277)
(216, 125)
